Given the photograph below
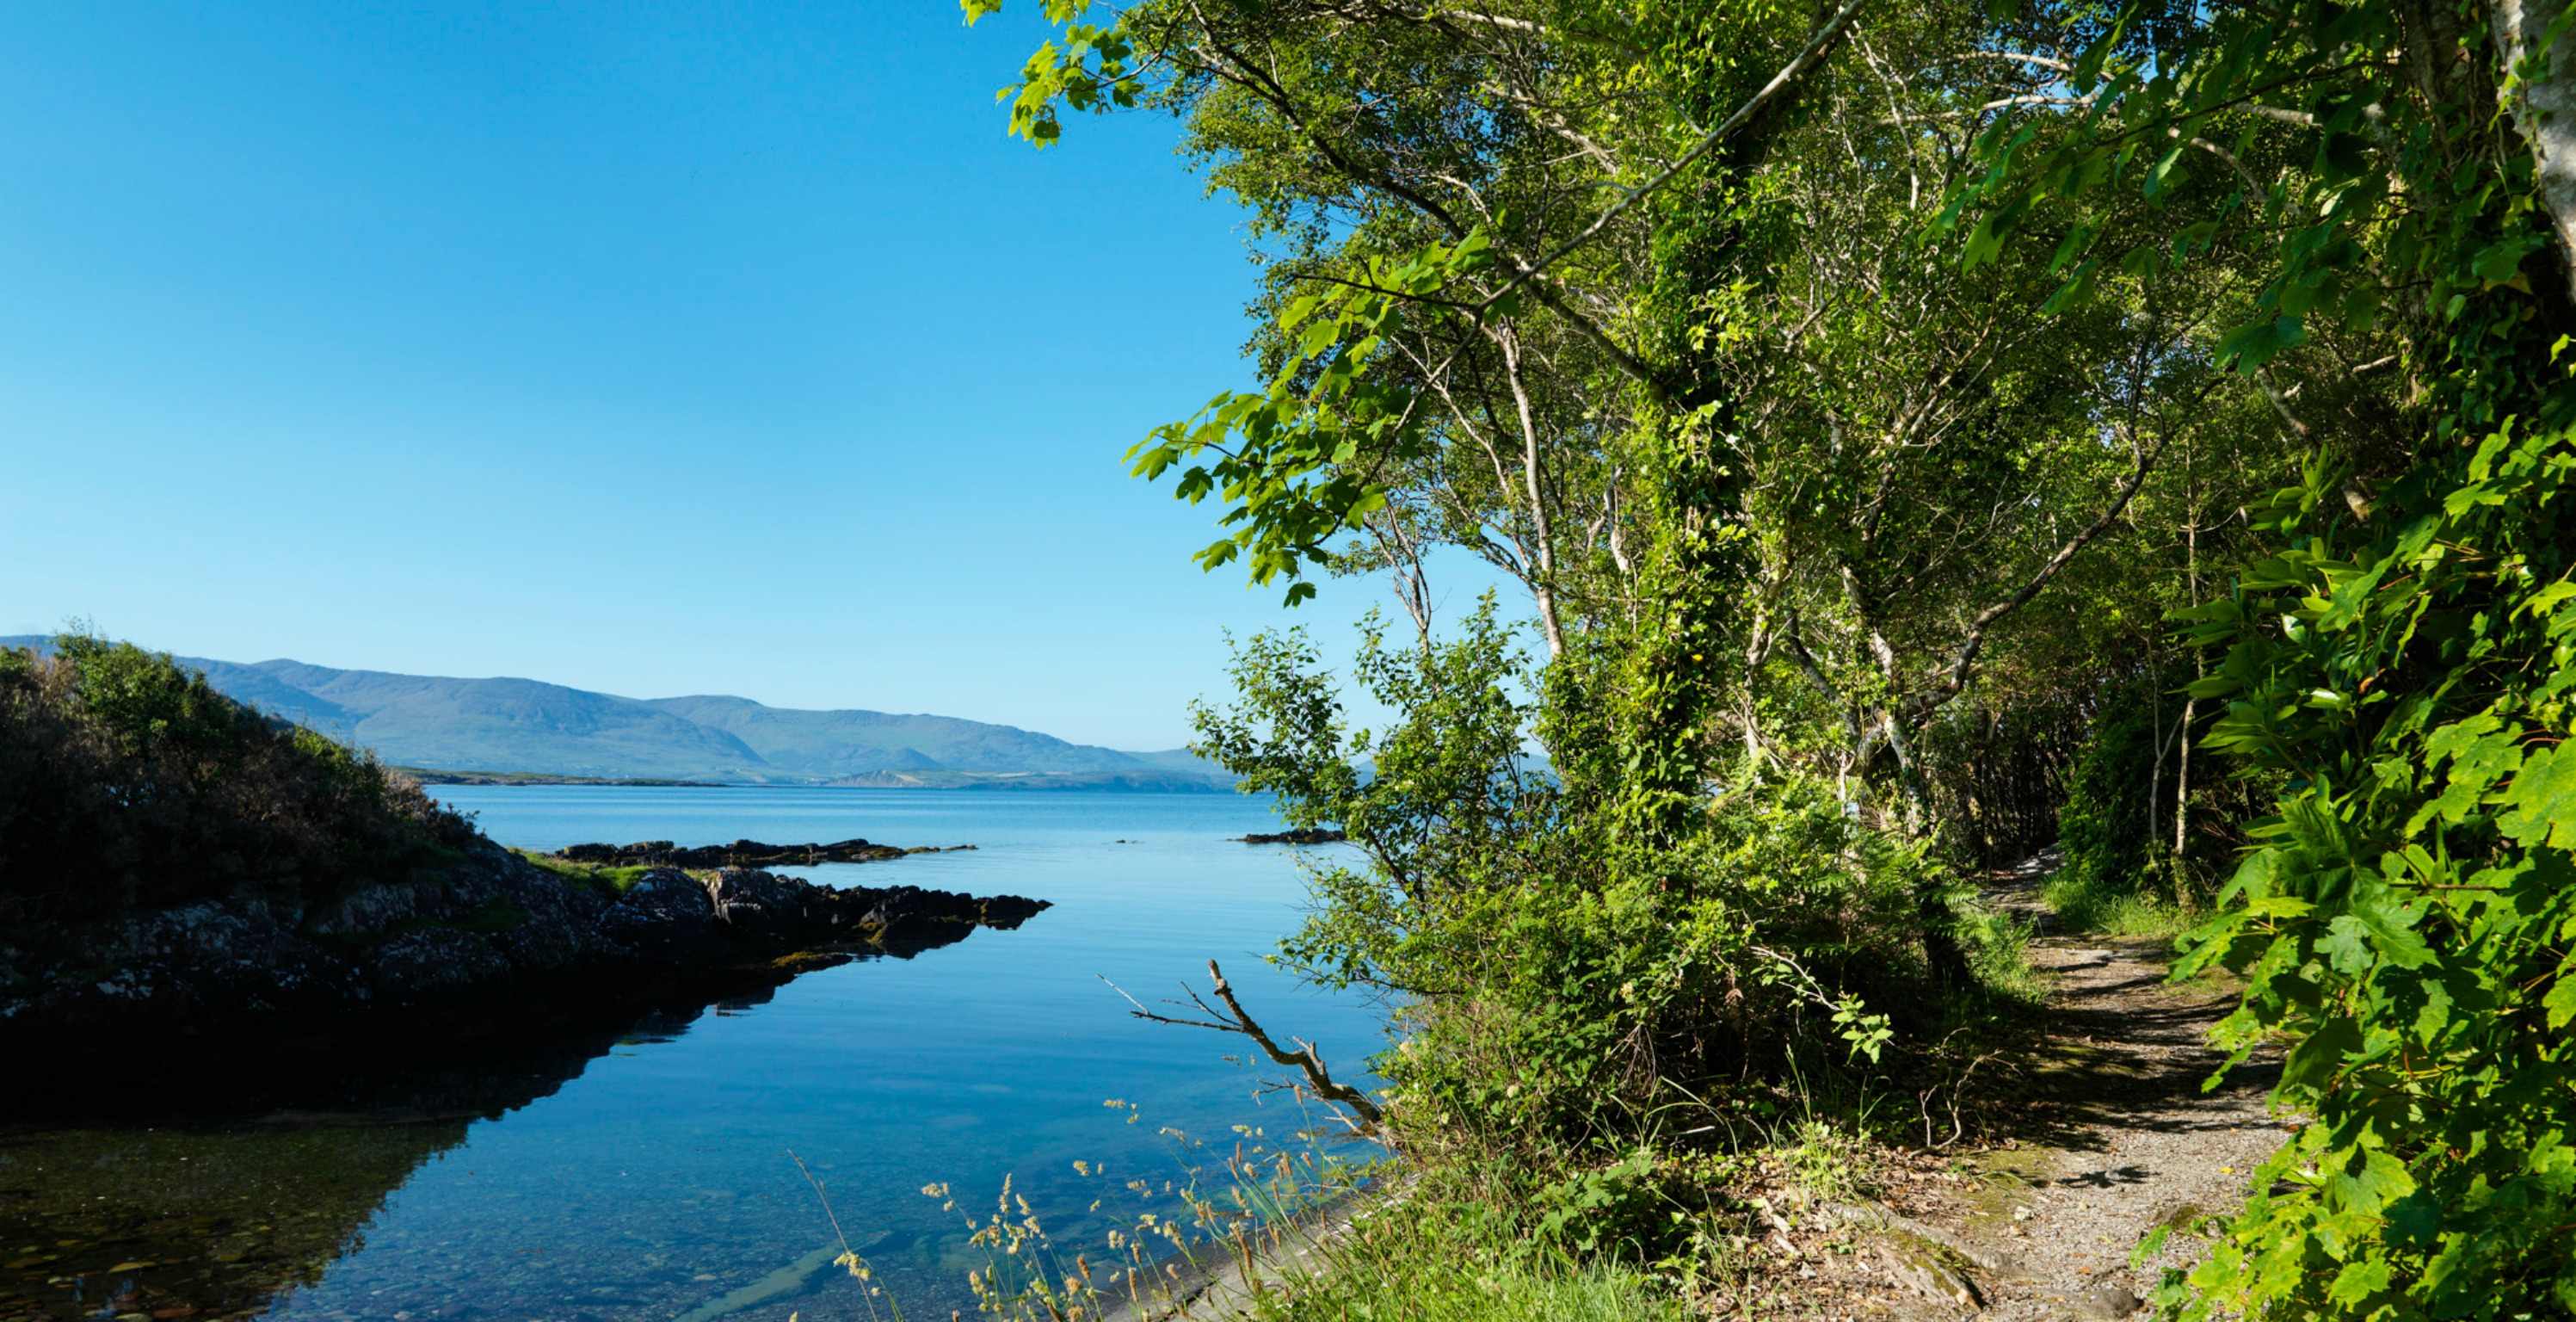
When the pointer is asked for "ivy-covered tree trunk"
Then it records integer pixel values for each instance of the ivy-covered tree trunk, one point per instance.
(2541, 94)
(1673, 680)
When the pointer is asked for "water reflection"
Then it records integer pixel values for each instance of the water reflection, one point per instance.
(642, 1173)
(216, 1198)
(162, 1217)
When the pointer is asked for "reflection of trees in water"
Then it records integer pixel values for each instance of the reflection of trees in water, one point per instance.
(151, 1220)
(213, 1202)
(208, 1187)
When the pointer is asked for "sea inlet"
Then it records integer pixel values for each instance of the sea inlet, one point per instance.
(646, 1173)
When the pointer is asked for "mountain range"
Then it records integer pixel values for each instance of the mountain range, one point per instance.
(526, 727)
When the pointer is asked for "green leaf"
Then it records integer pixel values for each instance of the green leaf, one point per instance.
(2370, 1180)
(2415, 1220)
(1984, 244)
(2541, 806)
(2436, 1014)
(2498, 264)
(2077, 290)
(2159, 177)
(2390, 928)
(2347, 946)
(2313, 1062)
(2543, 601)
(2250, 347)
(2561, 1000)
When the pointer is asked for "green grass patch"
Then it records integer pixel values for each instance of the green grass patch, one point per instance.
(607, 881)
(2096, 906)
(1406, 1267)
(1998, 948)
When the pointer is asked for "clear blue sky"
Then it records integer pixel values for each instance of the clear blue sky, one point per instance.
(656, 349)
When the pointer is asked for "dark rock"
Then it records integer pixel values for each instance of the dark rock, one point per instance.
(761, 903)
(1304, 835)
(739, 854)
(433, 966)
(2106, 1299)
(496, 947)
(1009, 911)
(666, 918)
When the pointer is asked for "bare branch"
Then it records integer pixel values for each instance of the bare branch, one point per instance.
(1998, 103)
(2016, 57)
(1306, 1059)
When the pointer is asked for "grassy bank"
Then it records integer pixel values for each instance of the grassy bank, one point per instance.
(612, 881)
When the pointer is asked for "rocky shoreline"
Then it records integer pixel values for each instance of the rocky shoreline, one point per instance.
(1303, 835)
(739, 854)
(494, 947)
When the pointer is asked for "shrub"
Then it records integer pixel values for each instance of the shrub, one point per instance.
(127, 781)
(1551, 1004)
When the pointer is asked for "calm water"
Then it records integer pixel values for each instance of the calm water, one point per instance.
(649, 1177)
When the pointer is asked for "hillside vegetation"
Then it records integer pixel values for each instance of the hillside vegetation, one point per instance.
(127, 781)
(1917, 434)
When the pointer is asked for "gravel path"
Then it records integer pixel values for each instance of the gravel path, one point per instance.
(2118, 1136)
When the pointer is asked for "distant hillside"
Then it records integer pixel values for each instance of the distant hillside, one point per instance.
(841, 743)
(525, 726)
(1182, 759)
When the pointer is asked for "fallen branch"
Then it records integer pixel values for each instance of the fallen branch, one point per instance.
(1306, 1059)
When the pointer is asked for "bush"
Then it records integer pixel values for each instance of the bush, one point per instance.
(127, 781)
(1551, 1004)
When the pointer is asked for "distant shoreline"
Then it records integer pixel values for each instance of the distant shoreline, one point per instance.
(428, 776)
(1068, 782)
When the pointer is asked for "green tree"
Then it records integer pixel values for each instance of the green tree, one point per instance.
(2400, 655)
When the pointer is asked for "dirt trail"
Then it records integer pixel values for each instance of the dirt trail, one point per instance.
(2117, 1136)
(2107, 1136)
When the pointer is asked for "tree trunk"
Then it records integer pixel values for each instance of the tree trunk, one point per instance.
(2183, 894)
(2544, 108)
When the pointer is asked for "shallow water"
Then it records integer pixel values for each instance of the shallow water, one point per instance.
(647, 1175)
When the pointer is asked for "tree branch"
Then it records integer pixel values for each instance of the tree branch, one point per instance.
(1306, 1059)
(1966, 657)
(1817, 44)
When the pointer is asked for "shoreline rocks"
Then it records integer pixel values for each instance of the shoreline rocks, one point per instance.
(493, 947)
(739, 854)
(1304, 835)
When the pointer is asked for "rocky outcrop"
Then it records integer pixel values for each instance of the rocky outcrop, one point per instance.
(492, 947)
(739, 854)
(1303, 835)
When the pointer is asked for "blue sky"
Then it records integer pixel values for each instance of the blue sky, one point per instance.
(656, 349)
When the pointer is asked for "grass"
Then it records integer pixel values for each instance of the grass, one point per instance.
(2096, 906)
(1998, 948)
(1408, 1264)
(611, 882)
(1325, 1241)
